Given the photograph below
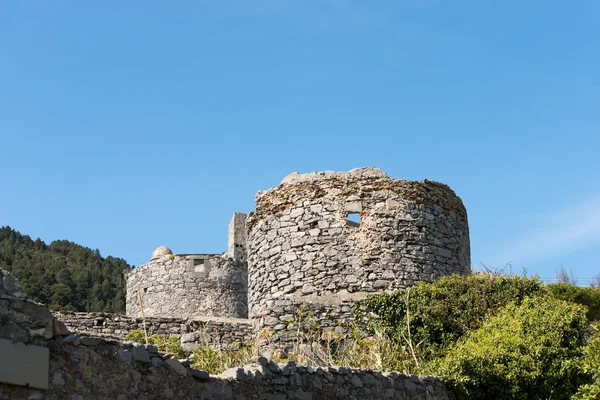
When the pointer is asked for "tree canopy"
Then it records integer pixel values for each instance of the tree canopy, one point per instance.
(64, 275)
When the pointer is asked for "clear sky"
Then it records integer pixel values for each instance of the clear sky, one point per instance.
(129, 125)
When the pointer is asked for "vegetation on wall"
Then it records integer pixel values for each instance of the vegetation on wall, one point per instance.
(64, 275)
(167, 344)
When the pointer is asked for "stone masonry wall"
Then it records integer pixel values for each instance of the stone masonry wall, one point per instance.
(91, 368)
(290, 319)
(189, 285)
(86, 367)
(216, 331)
(301, 244)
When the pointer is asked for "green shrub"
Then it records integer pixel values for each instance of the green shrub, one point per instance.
(591, 366)
(136, 335)
(588, 296)
(166, 344)
(527, 351)
(434, 315)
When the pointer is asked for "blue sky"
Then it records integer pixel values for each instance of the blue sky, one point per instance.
(128, 126)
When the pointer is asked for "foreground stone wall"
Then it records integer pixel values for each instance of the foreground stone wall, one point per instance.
(87, 367)
(189, 285)
(300, 242)
(21, 319)
(90, 368)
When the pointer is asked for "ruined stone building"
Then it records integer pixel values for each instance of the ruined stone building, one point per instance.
(319, 238)
(189, 285)
(314, 245)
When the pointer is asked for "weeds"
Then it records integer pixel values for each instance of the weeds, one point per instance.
(348, 346)
(166, 344)
(215, 360)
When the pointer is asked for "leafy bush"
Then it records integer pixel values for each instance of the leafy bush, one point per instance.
(526, 351)
(434, 315)
(591, 366)
(588, 296)
(166, 344)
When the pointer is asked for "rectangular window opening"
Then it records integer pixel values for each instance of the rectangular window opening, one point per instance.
(202, 266)
(353, 220)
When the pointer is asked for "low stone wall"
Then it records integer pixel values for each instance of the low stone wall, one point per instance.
(83, 367)
(211, 330)
(265, 379)
(79, 367)
(276, 329)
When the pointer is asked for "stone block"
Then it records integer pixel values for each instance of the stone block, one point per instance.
(353, 207)
(140, 353)
(200, 375)
(90, 341)
(176, 366)
(24, 365)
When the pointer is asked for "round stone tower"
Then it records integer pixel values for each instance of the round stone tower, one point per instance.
(328, 233)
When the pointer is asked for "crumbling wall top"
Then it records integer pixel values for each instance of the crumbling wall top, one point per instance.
(356, 173)
(359, 183)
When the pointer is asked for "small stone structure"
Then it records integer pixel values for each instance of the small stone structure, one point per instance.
(189, 285)
(160, 252)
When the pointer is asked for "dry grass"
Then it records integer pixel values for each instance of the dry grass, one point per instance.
(318, 349)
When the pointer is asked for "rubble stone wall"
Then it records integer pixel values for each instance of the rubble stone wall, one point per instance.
(189, 285)
(289, 319)
(217, 331)
(300, 242)
(88, 367)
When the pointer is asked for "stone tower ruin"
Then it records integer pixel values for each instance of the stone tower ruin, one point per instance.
(313, 238)
(302, 244)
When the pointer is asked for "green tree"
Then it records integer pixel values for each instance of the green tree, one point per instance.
(61, 295)
(64, 274)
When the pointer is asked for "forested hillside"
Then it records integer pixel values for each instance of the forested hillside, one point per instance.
(64, 275)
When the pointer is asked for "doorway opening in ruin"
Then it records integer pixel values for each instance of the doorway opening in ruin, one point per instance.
(353, 220)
